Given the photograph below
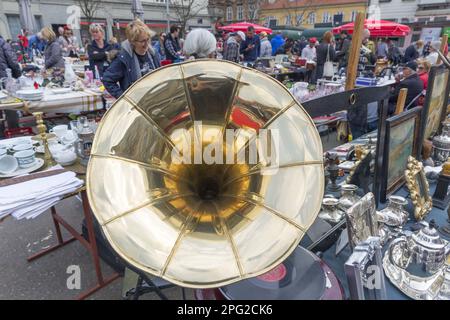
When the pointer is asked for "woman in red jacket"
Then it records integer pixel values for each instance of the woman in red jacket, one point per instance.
(423, 70)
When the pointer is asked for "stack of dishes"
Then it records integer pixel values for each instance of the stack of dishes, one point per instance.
(30, 94)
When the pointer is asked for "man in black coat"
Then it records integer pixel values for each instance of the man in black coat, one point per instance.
(412, 52)
(410, 81)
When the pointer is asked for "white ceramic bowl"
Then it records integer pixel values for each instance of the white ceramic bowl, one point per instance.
(8, 164)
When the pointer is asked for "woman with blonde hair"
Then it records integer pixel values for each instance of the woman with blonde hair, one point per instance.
(136, 58)
(52, 53)
(98, 50)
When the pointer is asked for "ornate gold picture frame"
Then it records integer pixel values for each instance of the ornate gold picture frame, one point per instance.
(419, 190)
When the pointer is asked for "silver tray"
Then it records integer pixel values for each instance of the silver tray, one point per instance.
(414, 287)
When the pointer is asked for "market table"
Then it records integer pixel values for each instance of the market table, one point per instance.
(337, 262)
(72, 102)
(58, 221)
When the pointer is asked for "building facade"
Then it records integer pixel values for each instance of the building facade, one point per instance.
(310, 13)
(233, 11)
(113, 14)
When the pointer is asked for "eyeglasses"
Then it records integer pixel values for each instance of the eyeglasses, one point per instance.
(143, 41)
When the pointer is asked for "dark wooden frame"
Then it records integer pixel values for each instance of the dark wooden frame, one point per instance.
(398, 120)
(434, 72)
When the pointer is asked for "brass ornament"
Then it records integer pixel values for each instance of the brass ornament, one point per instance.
(419, 189)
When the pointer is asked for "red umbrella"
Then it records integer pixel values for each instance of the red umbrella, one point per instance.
(242, 26)
(378, 28)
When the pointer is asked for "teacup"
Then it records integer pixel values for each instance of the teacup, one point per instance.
(60, 130)
(25, 158)
(8, 164)
(22, 147)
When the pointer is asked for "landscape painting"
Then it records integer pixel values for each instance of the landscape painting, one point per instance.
(436, 103)
(401, 145)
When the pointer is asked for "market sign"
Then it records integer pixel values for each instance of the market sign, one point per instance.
(430, 34)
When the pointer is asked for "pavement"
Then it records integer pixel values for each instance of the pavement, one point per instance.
(46, 278)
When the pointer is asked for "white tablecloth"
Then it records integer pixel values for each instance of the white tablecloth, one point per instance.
(72, 102)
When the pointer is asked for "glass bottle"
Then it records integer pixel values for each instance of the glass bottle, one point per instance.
(86, 138)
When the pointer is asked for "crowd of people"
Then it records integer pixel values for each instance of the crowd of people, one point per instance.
(120, 65)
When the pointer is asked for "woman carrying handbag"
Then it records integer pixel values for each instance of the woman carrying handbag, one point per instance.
(325, 57)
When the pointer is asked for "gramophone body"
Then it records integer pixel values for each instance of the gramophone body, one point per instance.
(205, 173)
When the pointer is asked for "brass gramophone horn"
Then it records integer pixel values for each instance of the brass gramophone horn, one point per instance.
(176, 183)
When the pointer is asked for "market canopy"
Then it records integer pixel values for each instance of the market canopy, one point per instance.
(242, 26)
(378, 28)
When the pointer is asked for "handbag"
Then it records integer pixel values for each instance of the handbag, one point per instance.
(328, 68)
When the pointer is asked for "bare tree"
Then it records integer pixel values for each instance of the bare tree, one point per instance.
(300, 10)
(185, 10)
(89, 8)
(254, 7)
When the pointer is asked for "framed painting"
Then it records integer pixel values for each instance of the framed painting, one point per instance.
(436, 101)
(402, 135)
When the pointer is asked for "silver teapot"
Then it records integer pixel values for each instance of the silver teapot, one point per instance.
(422, 253)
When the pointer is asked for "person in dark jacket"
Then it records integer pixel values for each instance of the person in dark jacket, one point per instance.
(52, 53)
(413, 51)
(277, 42)
(8, 60)
(136, 59)
(98, 50)
(251, 47)
(343, 50)
(324, 52)
(171, 45)
(410, 81)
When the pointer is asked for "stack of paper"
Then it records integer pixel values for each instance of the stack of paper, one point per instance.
(31, 198)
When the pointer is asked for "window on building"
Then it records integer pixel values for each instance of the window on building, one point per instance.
(229, 13)
(200, 21)
(240, 13)
(325, 17)
(312, 18)
(272, 22)
(252, 11)
(444, 18)
(14, 25)
(288, 20)
(353, 17)
(298, 19)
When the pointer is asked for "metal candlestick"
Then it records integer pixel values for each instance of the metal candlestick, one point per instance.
(332, 167)
(48, 159)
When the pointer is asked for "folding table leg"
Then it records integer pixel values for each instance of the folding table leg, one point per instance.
(60, 243)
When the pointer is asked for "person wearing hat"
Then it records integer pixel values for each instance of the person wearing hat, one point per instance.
(266, 46)
(434, 48)
(411, 81)
(232, 49)
(309, 53)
